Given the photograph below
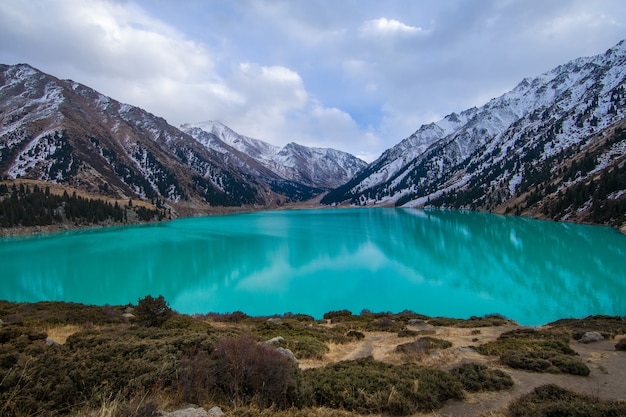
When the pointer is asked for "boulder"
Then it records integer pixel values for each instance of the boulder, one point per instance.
(52, 342)
(466, 349)
(591, 337)
(275, 320)
(416, 322)
(275, 340)
(190, 412)
(621, 345)
(215, 412)
(289, 354)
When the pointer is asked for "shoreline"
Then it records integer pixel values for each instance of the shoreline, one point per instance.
(444, 321)
(68, 227)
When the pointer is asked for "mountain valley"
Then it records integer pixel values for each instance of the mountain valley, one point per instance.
(554, 147)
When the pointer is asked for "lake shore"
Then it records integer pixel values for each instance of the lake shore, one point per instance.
(71, 226)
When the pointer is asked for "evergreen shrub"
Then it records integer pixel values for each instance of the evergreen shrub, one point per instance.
(477, 377)
(551, 400)
(371, 387)
(537, 351)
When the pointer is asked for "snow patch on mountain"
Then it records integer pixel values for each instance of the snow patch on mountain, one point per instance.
(489, 152)
(313, 167)
(255, 148)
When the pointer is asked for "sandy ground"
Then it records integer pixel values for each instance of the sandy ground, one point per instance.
(606, 381)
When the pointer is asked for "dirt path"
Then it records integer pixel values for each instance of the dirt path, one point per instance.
(608, 367)
(606, 381)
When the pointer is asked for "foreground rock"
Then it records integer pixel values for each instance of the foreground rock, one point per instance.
(591, 337)
(196, 412)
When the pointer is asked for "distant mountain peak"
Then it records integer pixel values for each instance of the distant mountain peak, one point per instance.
(320, 168)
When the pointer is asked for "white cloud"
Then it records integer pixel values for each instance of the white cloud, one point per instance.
(116, 48)
(321, 73)
(270, 96)
(385, 26)
(120, 50)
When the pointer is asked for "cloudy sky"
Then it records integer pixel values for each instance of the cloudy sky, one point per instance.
(355, 75)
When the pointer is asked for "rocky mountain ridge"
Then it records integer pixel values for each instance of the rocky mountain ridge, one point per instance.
(318, 168)
(484, 158)
(61, 131)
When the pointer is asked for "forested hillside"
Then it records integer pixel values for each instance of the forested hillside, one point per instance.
(586, 186)
(25, 206)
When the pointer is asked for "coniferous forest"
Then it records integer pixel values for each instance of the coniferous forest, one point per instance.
(25, 206)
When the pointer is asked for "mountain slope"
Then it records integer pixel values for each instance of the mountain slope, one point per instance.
(484, 157)
(64, 132)
(318, 168)
(238, 160)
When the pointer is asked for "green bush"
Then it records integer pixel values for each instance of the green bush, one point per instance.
(92, 366)
(552, 400)
(152, 312)
(384, 324)
(299, 317)
(368, 386)
(306, 340)
(529, 340)
(537, 351)
(182, 321)
(234, 317)
(608, 326)
(408, 333)
(337, 316)
(355, 334)
(474, 321)
(570, 365)
(422, 346)
(13, 333)
(373, 322)
(44, 314)
(529, 361)
(476, 377)
(306, 347)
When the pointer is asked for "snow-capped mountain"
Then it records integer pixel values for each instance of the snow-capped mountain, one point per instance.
(61, 131)
(255, 148)
(320, 168)
(484, 157)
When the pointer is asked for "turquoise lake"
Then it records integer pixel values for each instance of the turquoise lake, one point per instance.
(438, 263)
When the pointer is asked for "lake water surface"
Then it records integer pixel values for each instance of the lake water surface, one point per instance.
(438, 263)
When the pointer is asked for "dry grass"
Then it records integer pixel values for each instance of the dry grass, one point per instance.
(608, 368)
(382, 346)
(60, 334)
